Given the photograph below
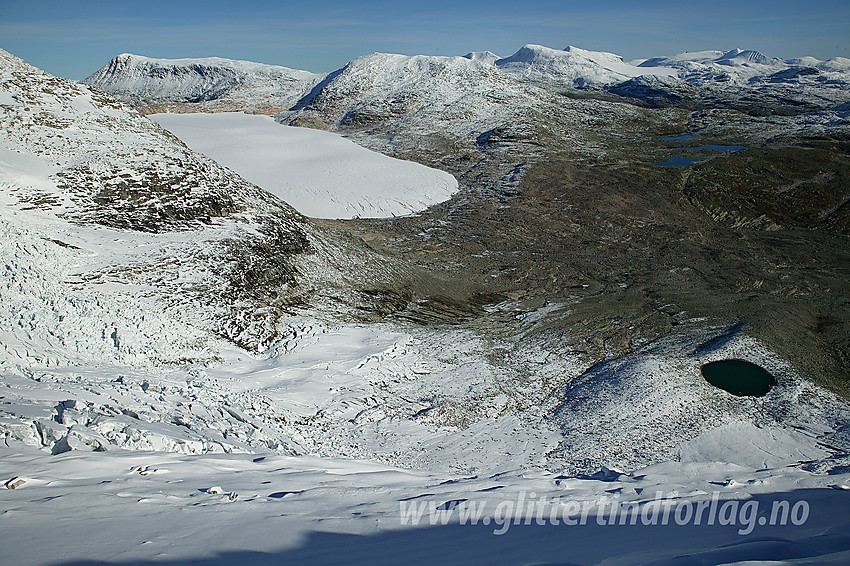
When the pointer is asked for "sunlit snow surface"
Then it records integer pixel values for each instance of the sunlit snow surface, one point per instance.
(321, 174)
(228, 509)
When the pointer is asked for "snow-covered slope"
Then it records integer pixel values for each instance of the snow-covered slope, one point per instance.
(321, 174)
(111, 165)
(249, 459)
(159, 508)
(211, 82)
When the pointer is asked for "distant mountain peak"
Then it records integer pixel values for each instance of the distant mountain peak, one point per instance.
(484, 56)
(219, 84)
(573, 66)
(742, 56)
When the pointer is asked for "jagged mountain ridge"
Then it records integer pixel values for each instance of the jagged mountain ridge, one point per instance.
(213, 84)
(134, 78)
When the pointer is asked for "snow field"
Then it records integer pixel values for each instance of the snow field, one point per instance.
(321, 174)
(149, 507)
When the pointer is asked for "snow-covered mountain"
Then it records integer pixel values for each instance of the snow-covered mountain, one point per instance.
(755, 60)
(574, 67)
(97, 172)
(214, 84)
(742, 67)
(425, 107)
(211, 82)
(456, 93)
(416, 107)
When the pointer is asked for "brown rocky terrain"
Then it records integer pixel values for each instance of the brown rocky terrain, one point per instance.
(757, 237)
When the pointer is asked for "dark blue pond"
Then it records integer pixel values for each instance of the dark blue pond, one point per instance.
(681, 160)
(680, 137)
(717, 147)
(738, 377)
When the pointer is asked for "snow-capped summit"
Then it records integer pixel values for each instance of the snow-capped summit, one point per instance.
(687, 56)
(483, 56)
(573, 66)
(839, 64)
(733, 57)
(389, 82)
(746, 57)
(213, 81)
(807, 61)
(454, 91)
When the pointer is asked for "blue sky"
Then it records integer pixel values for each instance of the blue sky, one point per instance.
(74, 38)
